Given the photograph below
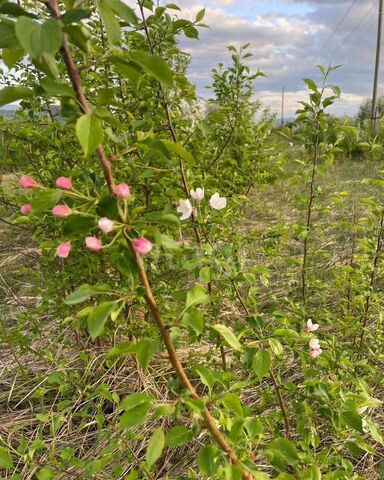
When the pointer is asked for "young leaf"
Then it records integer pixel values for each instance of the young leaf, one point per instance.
(228, 336)
(232, 402)
(135, 416)
(98, 317)
(207, 460)
(261, 363)
(178, 436)
(89, 132)
(155, 447)
(81, 294)
(5, 459)
(196, 296)
(200, 15)
(205, 375)
(285, 449)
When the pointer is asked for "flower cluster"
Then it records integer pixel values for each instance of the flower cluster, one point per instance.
(122, 191)
(314, 344)
(185, 206)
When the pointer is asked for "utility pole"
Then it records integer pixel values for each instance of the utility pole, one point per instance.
(282, 107)
(374, 112)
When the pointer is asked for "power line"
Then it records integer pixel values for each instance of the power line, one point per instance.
(340, 22)
(353, 30)
(357, 25)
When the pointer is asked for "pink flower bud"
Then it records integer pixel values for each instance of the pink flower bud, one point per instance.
(93, 243)
(28, 182)
(61, 211)
(106, 225)
(26, 208)
(63, 250)
(64, 183)
(142, 246)
(122, 191)
(315, 353)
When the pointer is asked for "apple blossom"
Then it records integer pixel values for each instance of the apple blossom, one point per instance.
(28, 182)
(197, 194)
(185, 208)
(93, 243)
(316, 352)
(26, 208)
(311, 327)
(217, 202)
(106, 225)
(314, 344)
(122, 191)
(142, 245)
(63, 250)
(61, 211)
(64, 183)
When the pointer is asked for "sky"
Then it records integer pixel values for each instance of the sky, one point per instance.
(288, 39)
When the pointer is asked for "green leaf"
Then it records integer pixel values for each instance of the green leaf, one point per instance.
(57, 88)
(196, 296)
(154, 66)
(178, 436)
(205, 375)
(5, 459)
(155, 447)
(207, 460)
(353, 420)
(232, 402)
(286, 332)
(11, 94)
(144, 350)
(38, 39)
(78, 224)
(191, 32)
(134, 400)
(98, 317)
(375, 431)
(194, 320)
(205, 274)
(135, 417)
(123, 11)
(14, 10)
(89, 132)
(45, 474)
(311, 84)
(285, 449)
(179, 150)
(111, 23)
(46, 199)
(200, 15)
(228, 336)
(12, 56)
(82, 293)
(8, 37)
(261, 363)
(108, 207)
